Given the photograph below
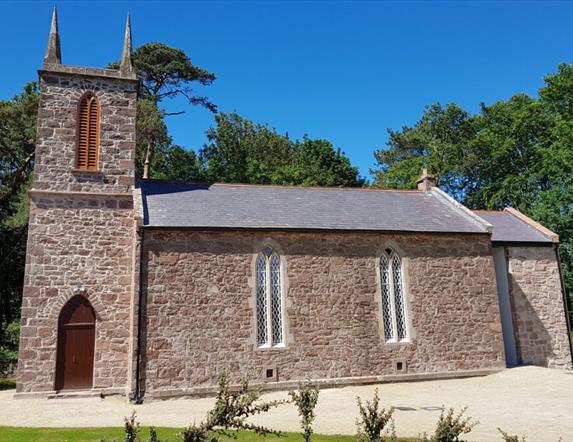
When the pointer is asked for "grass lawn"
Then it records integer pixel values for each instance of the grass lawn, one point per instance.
(7, 383)
(24, 434)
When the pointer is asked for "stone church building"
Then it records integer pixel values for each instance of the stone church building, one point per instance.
(154, 289)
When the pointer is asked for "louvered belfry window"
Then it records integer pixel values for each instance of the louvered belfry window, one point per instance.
(393, 299)
(269, 299)
(87, 156)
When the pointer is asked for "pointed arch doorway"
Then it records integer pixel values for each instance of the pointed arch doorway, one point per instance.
(76, 342)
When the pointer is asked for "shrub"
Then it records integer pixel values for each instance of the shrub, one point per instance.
(230, 412)
(305, 400)
(153, 435)
(8, 359)
(373, 420)
(450, 427)
(12, 335)
(509, 437)
(198, 434)
(131, 429)
(9, 348)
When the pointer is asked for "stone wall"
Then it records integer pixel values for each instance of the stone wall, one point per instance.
(539, 316)
(81, 229)
(77, 241)
(200, 319)
(57, 120)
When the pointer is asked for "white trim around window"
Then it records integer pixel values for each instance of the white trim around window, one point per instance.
(269, 299)
(393, 293)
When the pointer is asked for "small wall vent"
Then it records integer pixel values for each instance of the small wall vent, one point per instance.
(270, 373)
(400, 366)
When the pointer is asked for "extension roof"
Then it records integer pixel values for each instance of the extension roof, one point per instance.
(239, 206)
(511, 226)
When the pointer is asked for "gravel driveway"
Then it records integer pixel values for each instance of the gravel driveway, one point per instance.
(531, 401)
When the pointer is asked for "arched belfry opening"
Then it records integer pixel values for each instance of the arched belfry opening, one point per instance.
(76, 342)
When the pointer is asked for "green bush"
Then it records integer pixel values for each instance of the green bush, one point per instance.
(131, 429)
(11, 335)
(198, 434)
(305, 400)
(9, 348)
(8, 359)
(451, 426)
(153, 435)
(509, 437)
(229, 415)
(373, 421)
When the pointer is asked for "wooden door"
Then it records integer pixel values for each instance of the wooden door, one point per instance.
(76, 341)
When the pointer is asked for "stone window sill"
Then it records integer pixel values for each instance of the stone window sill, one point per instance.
(401, 342)
(267, 348)
(87, 172)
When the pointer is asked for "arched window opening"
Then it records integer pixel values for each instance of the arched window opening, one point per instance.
(87, 156)
(76, 342)
(393, 300)
(270, 331)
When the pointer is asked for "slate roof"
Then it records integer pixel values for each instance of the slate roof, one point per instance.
(509, 228)
(236, 206)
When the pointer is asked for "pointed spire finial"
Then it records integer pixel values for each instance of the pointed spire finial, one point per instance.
(53, 52)
(125, 66)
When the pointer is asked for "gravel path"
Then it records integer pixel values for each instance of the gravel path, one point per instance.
(531, 401)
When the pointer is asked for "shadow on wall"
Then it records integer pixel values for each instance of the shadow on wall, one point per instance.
(534, 342)
(143, 327)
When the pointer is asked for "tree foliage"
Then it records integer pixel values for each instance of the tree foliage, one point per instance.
(241, 151)
(164, 72)
(152, 138)
(513, 153)
(167, 72)
(305, 400)
(17, 146)
(373, 420)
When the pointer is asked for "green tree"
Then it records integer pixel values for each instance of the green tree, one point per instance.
(436, 142)
(557, 162)
(318, 163)
(167, 72)
(241, 151)
(153, 139)
(164, 72)
(17, 146)
(178, 164)
(514, 153)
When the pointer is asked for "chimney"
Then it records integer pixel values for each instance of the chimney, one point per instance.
(426, 182)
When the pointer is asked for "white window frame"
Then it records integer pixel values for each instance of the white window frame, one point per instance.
(268, 253)
(388, 254)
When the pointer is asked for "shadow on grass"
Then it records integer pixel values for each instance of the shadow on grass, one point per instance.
(7, 383)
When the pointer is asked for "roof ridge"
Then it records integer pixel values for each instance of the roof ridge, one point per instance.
(282, 186)
(493, 212)
(465, 211)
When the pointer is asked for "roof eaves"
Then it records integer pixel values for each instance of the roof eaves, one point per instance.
(460, 207)
(306, 229)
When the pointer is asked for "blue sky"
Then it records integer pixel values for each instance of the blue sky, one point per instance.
(344, 71)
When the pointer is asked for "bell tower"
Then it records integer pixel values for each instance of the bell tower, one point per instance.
(80, 250)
